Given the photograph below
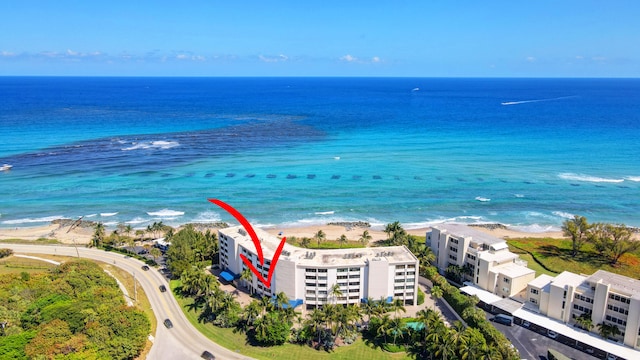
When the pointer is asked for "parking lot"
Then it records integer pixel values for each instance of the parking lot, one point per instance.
(533, 342)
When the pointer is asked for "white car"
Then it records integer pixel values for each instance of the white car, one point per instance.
(552, 334)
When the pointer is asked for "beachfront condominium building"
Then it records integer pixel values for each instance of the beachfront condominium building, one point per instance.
(308, 276)
(485, 259)
(603, 297)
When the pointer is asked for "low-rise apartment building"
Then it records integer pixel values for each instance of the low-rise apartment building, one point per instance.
(309, 275)
(604, 297)
(487, 261)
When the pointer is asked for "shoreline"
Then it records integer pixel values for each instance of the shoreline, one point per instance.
(352, 230)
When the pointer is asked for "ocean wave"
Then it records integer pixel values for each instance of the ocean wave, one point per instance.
(158, 144)
(108, 214)
(136, 220)
(563, 214)
(91, 215)
(325, 212)
(534, 228)
(482, 199)
(46, 219)
(518, 195)
(207, 217)
(588, 178)
(534, 100)
(633, 178)
(166, 213)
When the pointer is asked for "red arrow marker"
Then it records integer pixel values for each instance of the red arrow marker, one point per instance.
(256, 242)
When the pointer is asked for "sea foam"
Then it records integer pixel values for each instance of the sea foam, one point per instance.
(158, 144)
(165, 213)
(588, 178)
(33, 220)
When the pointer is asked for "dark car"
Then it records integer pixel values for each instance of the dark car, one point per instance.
(168, 323)
(163, 288)
(207, 355)
(503, 319)
(145, 268)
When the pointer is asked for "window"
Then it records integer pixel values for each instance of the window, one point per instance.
(311, 270)
(453, 257)
(533, 301)
(310, 284)
(455, 241)
(342, 270)
(354, 283)
(354, 269)
(472, 257)
(399, 288)
(354, 290)
(322, 292)
(353, 297)
(534, 291)
(311, 292)
(506, 280)
(342, 276)
(356, 276)
(308, 277)
(322, 270)
(454, 249)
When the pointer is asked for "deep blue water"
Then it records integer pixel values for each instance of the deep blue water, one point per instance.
(294, 151)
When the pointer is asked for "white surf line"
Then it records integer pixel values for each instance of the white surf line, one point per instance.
(127, 298)
(37, 258)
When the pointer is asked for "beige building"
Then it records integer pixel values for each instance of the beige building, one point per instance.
(488, 262)
(308, 275)
(605, 297)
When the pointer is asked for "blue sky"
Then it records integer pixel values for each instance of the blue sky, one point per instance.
(420, 38)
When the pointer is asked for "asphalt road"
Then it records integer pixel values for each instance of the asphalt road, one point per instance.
(182, 341)
(533, 344)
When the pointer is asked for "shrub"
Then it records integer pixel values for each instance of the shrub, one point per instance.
(420, 297)
(5, 252)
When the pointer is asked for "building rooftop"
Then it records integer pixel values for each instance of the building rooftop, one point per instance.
(541, 281)
(311, 257)
(498, 256)
(512, 270)
(568, 278)
(467, 231)
(619, 283)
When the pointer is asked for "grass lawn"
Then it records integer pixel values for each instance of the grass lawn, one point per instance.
(238, 342)
(13, 264)
(40, 241)
(554, 256)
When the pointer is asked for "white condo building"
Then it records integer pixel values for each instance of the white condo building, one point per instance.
(491, 266)
(605, 297)
(308, 275)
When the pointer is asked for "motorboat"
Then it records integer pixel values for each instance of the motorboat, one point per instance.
(6, 167)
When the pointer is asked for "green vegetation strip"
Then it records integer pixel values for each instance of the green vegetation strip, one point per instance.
(235, 341)
(555, 255)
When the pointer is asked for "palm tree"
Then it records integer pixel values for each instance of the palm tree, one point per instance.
(247, 277)
(128, 229)
(384, 326)
(281, 300)
(342, 240)
(319, 236)
(98, 234)
(305, 242)
(314, 321)
(365, 238)
(266, 304)
(368, 308)
(398, 305)
(584, 321)
(608, 330)
(436, 292)
(335, 292)
(156, 253)
(577, 229)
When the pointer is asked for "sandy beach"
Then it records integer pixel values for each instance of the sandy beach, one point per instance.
(82, 235)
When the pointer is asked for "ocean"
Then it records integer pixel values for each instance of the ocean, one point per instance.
(528, 153)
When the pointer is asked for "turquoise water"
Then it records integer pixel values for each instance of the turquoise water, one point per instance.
(299, 151)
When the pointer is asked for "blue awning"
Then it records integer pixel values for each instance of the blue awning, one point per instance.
(227, 275)
(292, 303)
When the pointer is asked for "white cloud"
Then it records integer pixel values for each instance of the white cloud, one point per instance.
(349, 58)
(7, 54)
(531, 59)
(271, 59)
(375, 59)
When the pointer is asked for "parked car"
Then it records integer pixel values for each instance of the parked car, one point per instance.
(552, 334)
(163, 288)
(207, 355)
(145, 268)
(525, 324)
(503, 319)
(168, 323)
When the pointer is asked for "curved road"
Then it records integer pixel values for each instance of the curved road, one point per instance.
(182, 341)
